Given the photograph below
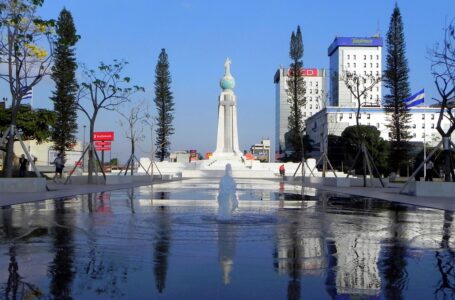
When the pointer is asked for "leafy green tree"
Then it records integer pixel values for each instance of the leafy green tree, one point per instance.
(377, 146)
(396, 80)
(64, 76)
(296, 92)
(26, 51)
(34, 124)
(103, 89)
(164, 105)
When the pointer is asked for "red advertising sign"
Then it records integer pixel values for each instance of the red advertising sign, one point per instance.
(103, 148)
(103, 144)
(103, 136)
(313, 72)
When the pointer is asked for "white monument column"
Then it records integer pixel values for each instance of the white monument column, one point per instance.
(227, 143)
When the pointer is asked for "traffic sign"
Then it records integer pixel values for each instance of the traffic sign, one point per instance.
(103, 148)
(103, 136)
(103, 144)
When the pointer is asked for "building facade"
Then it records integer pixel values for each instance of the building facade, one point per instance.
(334, 120)
(359, 56)
(315, 94)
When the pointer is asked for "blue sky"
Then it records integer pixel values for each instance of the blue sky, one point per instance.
(198, 36)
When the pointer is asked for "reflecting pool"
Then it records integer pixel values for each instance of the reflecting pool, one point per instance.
(283, 242)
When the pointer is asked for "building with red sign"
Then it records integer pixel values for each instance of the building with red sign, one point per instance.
(316, 97)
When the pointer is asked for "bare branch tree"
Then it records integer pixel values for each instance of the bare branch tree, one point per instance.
(136, 115)
(359, 86)
(442, 58)
(104, 89)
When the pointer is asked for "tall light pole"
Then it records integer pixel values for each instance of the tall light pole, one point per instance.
(148, 116)
(83, 149)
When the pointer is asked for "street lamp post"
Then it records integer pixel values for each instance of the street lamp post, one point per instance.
(83, 149)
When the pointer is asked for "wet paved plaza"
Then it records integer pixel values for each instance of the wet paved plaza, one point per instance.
(283, 242)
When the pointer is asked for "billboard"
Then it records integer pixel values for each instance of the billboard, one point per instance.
(103, 136)
(354, 42)
(306, 72)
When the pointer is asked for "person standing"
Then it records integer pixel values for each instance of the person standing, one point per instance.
(59, 165)
(23, 163)
(282, 171)
(430, 167)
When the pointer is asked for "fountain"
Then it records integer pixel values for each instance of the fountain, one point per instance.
(227, 195)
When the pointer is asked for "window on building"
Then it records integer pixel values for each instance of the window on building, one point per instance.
(317, 84)
(414, 135)
(365, 72)
(423, 135)
(371, 65)
(350, 116)
(316, 91)
(378, 125)
(390, 134)
(377, 65)
(311, 106)
(414, 126)
(354, 56)
(371, 56)
(423, 116)
(311, 113)
(341, 117)
(364, 57)
(354, 65)
(432, 126)
(432, 117)
(317, 106)
(368, 116)
(364, 65)
(423, 125)
(377, 56)
(349, 56)
(349, 65)
(371, 97)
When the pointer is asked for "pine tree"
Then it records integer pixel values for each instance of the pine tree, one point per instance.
(164, 105)
(397, 81)
(296, 91)
(64, 76)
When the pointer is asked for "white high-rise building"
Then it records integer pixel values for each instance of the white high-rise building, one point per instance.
(358, 55)
(315, 94)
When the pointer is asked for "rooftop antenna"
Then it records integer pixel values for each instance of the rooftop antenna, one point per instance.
(377, 34)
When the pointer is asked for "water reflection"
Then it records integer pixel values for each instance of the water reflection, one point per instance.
(162, 243)
(298, 244)
(61, 268)
(226, 249)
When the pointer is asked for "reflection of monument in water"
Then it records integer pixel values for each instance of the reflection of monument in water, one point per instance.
(227, 141)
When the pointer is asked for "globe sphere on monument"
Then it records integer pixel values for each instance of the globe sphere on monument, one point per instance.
(227, 83)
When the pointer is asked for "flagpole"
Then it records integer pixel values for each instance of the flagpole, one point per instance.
(425, 146)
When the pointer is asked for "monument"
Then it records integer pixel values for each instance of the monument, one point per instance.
(227, 142)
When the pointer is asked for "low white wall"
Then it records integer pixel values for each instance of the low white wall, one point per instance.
(358, 182)
(11, 185)
(430, 188)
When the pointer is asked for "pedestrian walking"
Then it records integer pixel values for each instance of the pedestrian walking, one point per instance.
(23, 163)
(59, 165)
